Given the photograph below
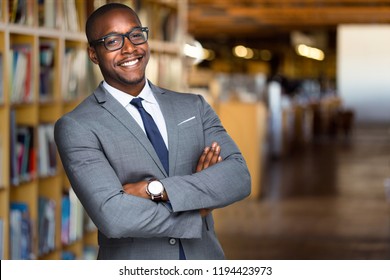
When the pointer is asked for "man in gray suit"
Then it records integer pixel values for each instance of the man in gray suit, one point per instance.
(146, 204)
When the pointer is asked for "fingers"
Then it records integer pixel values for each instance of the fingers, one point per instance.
(205, 211)
(209, 157)
(212, 156)
(199, 167)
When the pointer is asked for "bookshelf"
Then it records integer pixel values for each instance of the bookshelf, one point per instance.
(43, 69)
(246, 123)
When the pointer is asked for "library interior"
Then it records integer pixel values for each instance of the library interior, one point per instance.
(302, 86)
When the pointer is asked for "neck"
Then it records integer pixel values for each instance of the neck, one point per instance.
(133, 89)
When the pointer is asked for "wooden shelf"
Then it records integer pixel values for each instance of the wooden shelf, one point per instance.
(45, 107)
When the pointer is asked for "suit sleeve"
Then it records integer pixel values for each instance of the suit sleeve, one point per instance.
(219, 185)
(115, 213)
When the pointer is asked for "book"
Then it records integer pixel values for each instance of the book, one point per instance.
(1, 78)
(2, 183)
(68, 255)
(47, 150)
(46, 225)
(25, 153)
(72, 224)
(14, 174)
(89, 225)
(46, 71)
(20, 232)
(48, 13)
(19, 70)
(1, 239)
(76, 217)
(90, 252)
(162, 21)
(22, 152)
(71, 18)
(21, 11)
(65, 219)
(21, 73)
(22, 149)
(16, 11)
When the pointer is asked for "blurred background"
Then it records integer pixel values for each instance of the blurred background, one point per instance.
(302, 86)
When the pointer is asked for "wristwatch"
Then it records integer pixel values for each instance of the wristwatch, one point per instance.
(155, 189)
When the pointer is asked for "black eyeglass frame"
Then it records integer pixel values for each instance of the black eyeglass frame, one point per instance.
(127, 35)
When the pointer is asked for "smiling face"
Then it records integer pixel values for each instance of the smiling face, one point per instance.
(123, 69)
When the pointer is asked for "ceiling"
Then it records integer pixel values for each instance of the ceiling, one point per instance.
(253, 20)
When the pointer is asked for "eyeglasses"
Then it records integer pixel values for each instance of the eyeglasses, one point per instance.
(113, 42)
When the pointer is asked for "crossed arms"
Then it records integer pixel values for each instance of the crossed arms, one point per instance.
(209, 157)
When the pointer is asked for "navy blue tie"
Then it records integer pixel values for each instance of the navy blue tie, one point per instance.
(153, 133)
(158, 143)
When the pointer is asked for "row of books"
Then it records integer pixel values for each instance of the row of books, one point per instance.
(21, 11)
(81, 76)
(89, 253)
(70, 16)
(163, 70)
(161, 20)
(23, 154)
(21, 73)
(73, 219)
(74, 222)
(75, 75)
(78, 73)
(51, 13)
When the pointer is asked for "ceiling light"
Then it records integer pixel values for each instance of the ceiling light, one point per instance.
(194, 50)
(310, 52)
(240, 51)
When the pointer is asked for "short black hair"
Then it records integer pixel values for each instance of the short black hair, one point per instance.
(100, 12)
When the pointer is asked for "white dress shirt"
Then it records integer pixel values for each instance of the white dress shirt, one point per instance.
(149, 103)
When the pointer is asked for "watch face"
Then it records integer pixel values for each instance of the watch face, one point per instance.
(155, 187)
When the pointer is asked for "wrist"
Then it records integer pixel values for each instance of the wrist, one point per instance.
(155, 190)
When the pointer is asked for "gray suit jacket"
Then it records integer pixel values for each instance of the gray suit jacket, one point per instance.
(102, 148)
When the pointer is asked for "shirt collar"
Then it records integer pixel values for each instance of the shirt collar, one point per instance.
(124, 98)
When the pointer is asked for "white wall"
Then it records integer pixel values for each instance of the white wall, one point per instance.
(363, 70)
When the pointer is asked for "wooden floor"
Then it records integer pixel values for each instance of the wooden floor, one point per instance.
(327, 201)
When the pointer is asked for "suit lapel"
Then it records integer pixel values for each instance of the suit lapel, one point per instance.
(168, 110)
(110, 104)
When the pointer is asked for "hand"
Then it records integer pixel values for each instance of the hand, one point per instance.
(137, 189)
(209, 157)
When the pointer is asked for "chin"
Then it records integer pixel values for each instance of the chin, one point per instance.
(134, 81)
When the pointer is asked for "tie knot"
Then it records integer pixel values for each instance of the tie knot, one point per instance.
(137, 102)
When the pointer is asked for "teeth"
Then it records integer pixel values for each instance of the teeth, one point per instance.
(130, 63)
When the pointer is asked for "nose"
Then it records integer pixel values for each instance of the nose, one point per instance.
(127, 45)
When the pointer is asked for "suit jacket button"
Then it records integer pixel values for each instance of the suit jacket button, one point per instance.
(172, 241)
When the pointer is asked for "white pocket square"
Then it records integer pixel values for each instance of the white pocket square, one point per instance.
(187, 120)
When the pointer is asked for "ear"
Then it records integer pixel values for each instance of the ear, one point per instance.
(92, 55)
